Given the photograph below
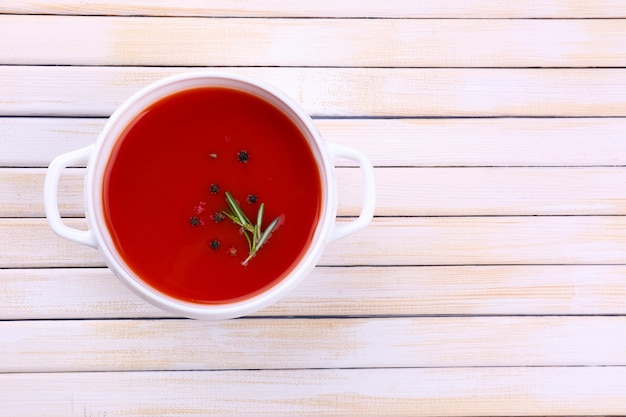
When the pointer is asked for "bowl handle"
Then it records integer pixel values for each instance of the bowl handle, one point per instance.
(369, 202)
(50, 199)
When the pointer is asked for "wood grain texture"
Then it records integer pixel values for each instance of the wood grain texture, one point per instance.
(345, 92)
(151, 345)
(326, 8)
(399, 191)
(75, 293)
(489, 142)
(339, 392)
(29, 243)
(156, 41)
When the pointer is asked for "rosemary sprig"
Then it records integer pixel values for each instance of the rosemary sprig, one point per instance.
(252, 232)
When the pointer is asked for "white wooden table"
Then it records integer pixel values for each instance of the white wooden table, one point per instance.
(491, 282)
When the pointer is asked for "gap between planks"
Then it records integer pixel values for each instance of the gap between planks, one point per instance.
(454, 9)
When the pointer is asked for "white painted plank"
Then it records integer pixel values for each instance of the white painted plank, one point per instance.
(73, 293)
(326, 8)
(399, 191)
(28, 243)
(482, 142)
(34, 142)
(60, 293)
(487, 191)
(389, 92)
(166, 345)
(338, 392)
(21, 192)
(104, 40)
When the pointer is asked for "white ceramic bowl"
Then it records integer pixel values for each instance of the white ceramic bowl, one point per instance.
(96, 157)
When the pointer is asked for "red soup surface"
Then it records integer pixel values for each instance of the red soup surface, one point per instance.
(165, 194)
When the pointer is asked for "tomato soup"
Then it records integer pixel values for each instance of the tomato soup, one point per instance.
(165, 194)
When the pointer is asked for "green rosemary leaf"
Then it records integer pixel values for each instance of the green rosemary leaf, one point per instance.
(237, 212)
(233, 218)
(250, 245)
(255, 235)
(266, 234)
(259, 217)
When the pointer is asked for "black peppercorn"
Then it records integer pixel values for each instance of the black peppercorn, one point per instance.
(243, 156)
(214, 244)
(194, 221)
(214, 188)
(252, 199)
(218, 217)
